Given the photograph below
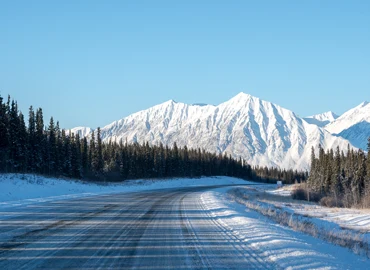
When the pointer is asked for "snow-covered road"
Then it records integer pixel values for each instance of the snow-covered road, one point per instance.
(171, 228)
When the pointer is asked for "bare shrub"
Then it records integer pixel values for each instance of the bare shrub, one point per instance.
(299, 194)
(365, 202)
(330, 202)
(306, 194)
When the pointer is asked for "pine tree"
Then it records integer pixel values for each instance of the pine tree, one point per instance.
(85, 155)
(59, 150)
(335, 188)
(67, 164)
(313, 173)
(75, 156)
(4, 136)
(92, 154)
(23, 152)
(366, 199)
(31, 140)
(40, 142)
(99, 154)
(52, 147)
(15, 144)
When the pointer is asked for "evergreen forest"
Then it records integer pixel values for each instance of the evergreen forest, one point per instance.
(49, 150)
(342, 177)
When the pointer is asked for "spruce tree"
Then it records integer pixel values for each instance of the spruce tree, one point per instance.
(52, 147)
(4, 136)
(39, 142)
(85, 155)
(59, 150)
(14, 138)
(92, 154)
(23, 152)
(99, 153)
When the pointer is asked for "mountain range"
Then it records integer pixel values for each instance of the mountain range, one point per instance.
(353, 125)
(321, 119)
(245, 126)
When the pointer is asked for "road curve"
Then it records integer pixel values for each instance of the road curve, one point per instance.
(165, 229)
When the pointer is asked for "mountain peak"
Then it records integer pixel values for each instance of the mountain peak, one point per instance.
(241, 98)
(332, 113)
(321, 119)
(350, 120)
(243, 95)
(259, 131)
(171, 101)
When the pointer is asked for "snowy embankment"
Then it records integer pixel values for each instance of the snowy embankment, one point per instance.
(22, 189)
(345, 227)
(288, 248)
(345, 218)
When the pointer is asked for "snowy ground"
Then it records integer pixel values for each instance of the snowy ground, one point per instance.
(353, 219)
(211, 215)
(287, 248)
(19, 189)
(157, 225)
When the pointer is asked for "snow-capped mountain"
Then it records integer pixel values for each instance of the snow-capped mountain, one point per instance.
(354, 125)
(81, 131)
(261, 132)
(321, 119)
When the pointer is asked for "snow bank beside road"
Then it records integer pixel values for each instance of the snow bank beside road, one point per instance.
(21, 189)
(287, 248)
(346, 218)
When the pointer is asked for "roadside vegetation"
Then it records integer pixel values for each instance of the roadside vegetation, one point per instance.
(263, 203)
(338, 179)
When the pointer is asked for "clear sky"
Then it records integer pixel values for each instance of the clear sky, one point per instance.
(89, 63)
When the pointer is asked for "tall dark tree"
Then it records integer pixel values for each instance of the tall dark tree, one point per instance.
(92, 154)
(85, 156)
(52, 147)
(31, 140)
(23, 137)
(99, 153)
(4, 136)
(40, 144)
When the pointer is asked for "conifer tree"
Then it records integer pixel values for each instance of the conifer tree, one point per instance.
(92, 154)
(23, 153)
(4, 136)
(39, 142)
(99, 153)
(85, 154)
(52, 147)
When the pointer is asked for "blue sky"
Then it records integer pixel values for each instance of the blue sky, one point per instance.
(89, 63)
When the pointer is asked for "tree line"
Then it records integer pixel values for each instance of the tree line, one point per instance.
(343, 177)
(50, 150)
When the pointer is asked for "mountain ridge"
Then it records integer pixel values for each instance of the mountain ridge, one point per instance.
(321, 119)
(261, 132)
(353, 125)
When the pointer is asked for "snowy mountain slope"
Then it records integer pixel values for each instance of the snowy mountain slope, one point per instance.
(261, 132)
(81, 131)
(354, 125)
(322, 119)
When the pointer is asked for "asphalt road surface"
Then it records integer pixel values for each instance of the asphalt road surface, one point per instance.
(166, 229)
